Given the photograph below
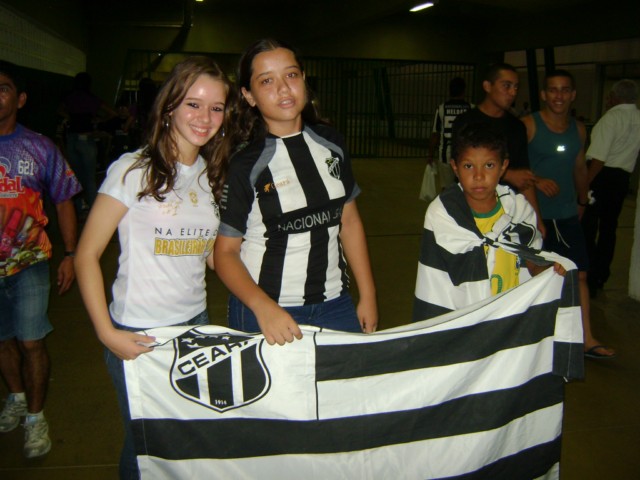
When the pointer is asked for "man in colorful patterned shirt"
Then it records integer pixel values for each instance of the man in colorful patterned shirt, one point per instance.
(30, 167)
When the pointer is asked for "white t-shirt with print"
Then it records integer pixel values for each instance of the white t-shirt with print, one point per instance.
(164, 246)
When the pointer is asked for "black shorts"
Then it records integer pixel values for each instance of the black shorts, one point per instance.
(565, 237)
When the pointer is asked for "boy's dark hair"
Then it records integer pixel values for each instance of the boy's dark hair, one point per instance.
(479, 135)
(457, 86)
(14, 73)
(558, 72)
(493, 72)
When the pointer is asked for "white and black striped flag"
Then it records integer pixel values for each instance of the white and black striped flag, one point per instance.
(477, 393)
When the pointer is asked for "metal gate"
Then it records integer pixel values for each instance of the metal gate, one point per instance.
(384, 108)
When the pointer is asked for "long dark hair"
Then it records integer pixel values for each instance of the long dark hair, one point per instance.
(248, 123)
(160, 154)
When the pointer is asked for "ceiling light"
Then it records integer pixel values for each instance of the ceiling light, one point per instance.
(422, 6)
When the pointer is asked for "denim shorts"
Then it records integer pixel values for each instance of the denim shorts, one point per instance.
(337, 314)
(24, 300)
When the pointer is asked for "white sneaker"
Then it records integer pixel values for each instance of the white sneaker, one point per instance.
(11, 413)
(36, 438)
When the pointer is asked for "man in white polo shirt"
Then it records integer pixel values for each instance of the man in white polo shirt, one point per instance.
(615, 143)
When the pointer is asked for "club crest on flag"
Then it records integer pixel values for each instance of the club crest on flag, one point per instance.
(221, 372)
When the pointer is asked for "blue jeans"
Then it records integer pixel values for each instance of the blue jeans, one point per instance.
(337, 314)
(82, 153)
(128, 469)
(24, 299)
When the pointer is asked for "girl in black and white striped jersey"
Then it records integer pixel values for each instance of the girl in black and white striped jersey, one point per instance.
(288, 211)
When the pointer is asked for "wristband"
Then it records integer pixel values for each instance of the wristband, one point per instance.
(70, 254)
(585, 204)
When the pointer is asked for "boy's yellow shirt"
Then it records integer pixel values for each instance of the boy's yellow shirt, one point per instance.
(506, 271)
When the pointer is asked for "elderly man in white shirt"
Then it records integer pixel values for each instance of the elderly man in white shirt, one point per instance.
(615, 143)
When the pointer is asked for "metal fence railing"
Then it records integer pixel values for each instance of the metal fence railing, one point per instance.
(384, 108)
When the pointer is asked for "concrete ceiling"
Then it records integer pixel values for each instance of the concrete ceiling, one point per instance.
(533, 23)
(492, 25)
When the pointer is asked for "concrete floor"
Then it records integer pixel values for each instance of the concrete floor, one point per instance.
(602, 418)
